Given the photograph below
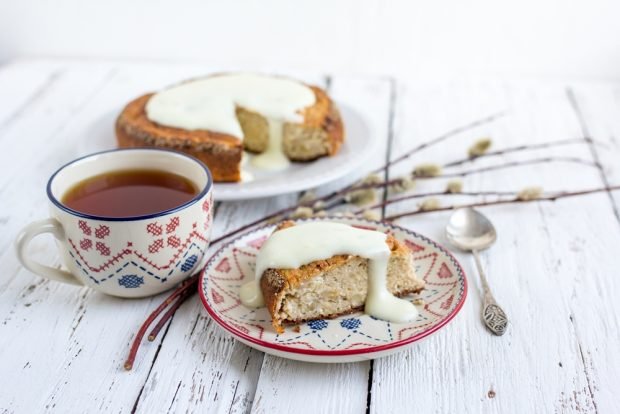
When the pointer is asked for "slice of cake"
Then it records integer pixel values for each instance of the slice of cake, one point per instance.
(339, 284)
(215, 118)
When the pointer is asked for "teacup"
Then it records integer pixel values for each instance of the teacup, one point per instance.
(127, 257)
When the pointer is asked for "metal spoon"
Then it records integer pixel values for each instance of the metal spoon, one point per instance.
(469, 230)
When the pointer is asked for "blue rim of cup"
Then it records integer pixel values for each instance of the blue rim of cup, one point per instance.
(195, 199)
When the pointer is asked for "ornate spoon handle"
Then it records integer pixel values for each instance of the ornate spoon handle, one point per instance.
(493, 315)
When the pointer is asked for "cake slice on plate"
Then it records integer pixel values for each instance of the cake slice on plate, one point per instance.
(339, 284)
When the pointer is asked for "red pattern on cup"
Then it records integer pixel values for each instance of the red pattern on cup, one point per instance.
(102, 232)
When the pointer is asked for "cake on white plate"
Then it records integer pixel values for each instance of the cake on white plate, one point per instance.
(216, 118)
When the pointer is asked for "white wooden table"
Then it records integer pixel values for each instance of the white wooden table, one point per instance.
(555, 267)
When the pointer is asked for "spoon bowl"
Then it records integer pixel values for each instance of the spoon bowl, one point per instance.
(469, 230)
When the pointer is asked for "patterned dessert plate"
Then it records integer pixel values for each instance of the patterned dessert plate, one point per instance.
(349, 338)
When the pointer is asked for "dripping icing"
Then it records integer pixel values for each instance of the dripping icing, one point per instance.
(273, 158)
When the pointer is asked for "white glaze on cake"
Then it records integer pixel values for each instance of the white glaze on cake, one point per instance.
(210, 103)
(298, 245)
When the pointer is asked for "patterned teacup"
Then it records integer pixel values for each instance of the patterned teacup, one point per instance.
(128, 257)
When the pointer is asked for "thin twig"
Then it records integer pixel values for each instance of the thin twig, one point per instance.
(552, 197)
(441, 138)
(514, 164)
(519, 148)
(390, 141)
(257, 221)
(187, 284)
(511, 164)
(169, 313)
(435, 194)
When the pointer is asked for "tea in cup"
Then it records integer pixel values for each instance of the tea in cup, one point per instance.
(128, 222)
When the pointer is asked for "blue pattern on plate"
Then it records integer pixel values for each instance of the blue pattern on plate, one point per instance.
(352, 323)
(318, 324)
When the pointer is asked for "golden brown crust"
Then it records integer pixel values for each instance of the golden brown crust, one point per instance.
(221, 152)
(325, 115)
(276, 282)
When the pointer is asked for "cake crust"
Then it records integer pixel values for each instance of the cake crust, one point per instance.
(321, 133)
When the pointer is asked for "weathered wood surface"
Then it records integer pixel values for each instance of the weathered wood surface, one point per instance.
(554, 267)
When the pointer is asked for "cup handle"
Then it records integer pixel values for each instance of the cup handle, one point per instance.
(23, 240)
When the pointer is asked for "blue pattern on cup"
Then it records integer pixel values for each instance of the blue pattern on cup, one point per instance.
(189, 264)
(131, 281)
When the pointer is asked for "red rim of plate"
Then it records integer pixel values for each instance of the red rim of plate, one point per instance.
(356, 351)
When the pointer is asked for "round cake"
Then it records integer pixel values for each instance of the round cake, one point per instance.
(218, 117)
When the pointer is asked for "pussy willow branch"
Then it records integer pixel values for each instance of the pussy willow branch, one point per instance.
(353, 187)
(552, 197)
(465, 173)
(519, 148)
(512, 164)
(441, 138)
(431, 194)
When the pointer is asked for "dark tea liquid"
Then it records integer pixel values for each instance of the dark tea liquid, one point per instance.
(127, 193)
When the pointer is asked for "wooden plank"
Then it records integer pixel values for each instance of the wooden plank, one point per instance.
(534, 272)
(21, 85)
(596, 107)
(291, 384)
(200, 366)
(32, 308)
(595, 317)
